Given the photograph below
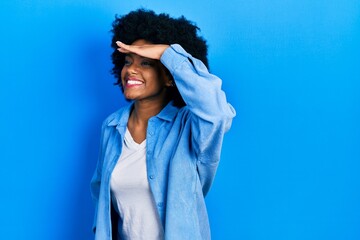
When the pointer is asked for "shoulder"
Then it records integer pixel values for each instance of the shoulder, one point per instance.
(118, 117)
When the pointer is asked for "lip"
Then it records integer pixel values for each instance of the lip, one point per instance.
(133, 82)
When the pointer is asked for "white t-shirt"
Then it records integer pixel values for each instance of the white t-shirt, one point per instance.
(131, 194)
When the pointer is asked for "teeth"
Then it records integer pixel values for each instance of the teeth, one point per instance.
(134, 82)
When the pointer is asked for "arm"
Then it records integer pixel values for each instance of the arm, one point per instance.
(211, 114)
(95, 190)
(96, 179)
(200, 90)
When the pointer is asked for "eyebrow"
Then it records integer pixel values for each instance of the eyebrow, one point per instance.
(134, 54)
(131, 55)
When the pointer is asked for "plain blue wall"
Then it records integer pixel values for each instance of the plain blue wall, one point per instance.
(290, 164)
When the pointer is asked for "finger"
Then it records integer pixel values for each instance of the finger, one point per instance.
(123, 45)
(119, 43)
(122, 50)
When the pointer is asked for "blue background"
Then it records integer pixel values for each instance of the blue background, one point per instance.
(290, 164)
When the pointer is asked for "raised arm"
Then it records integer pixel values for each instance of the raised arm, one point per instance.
(211, 114)
(200, 90)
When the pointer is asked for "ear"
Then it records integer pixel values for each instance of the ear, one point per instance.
(168, 78)
(169, 83)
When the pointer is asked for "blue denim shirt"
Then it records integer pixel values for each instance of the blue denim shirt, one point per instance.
(183, 151)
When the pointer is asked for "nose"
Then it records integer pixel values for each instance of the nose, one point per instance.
(132, 68)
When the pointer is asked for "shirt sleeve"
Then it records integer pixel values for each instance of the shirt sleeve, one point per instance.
(211, 114)
(96, 179)
(200, 90)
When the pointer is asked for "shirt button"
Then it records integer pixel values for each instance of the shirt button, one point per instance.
(160, 204)
(152, 177)
(151, 133)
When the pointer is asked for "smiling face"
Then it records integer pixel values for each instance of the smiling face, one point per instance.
(143, 78)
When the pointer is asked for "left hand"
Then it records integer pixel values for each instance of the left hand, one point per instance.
(153, 51)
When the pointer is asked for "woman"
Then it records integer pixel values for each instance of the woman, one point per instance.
(159, 155)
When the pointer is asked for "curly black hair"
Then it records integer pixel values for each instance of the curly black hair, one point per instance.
(157, 29)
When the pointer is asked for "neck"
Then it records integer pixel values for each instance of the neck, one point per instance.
(144, 109)
(139, 117)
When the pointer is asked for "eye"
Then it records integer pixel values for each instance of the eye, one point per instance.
(127, 62)
(146, 63)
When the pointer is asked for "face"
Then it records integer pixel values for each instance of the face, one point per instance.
(143, 78)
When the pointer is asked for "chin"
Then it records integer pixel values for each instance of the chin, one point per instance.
(129, 98)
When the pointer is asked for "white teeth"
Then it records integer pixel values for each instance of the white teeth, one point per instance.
(134, 82)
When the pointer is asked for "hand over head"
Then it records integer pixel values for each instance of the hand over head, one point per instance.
(143, 48)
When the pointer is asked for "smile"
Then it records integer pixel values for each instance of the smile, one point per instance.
(133, 83)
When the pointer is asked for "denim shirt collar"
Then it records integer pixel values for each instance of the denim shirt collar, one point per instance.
(121, 118)
(168, 113)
